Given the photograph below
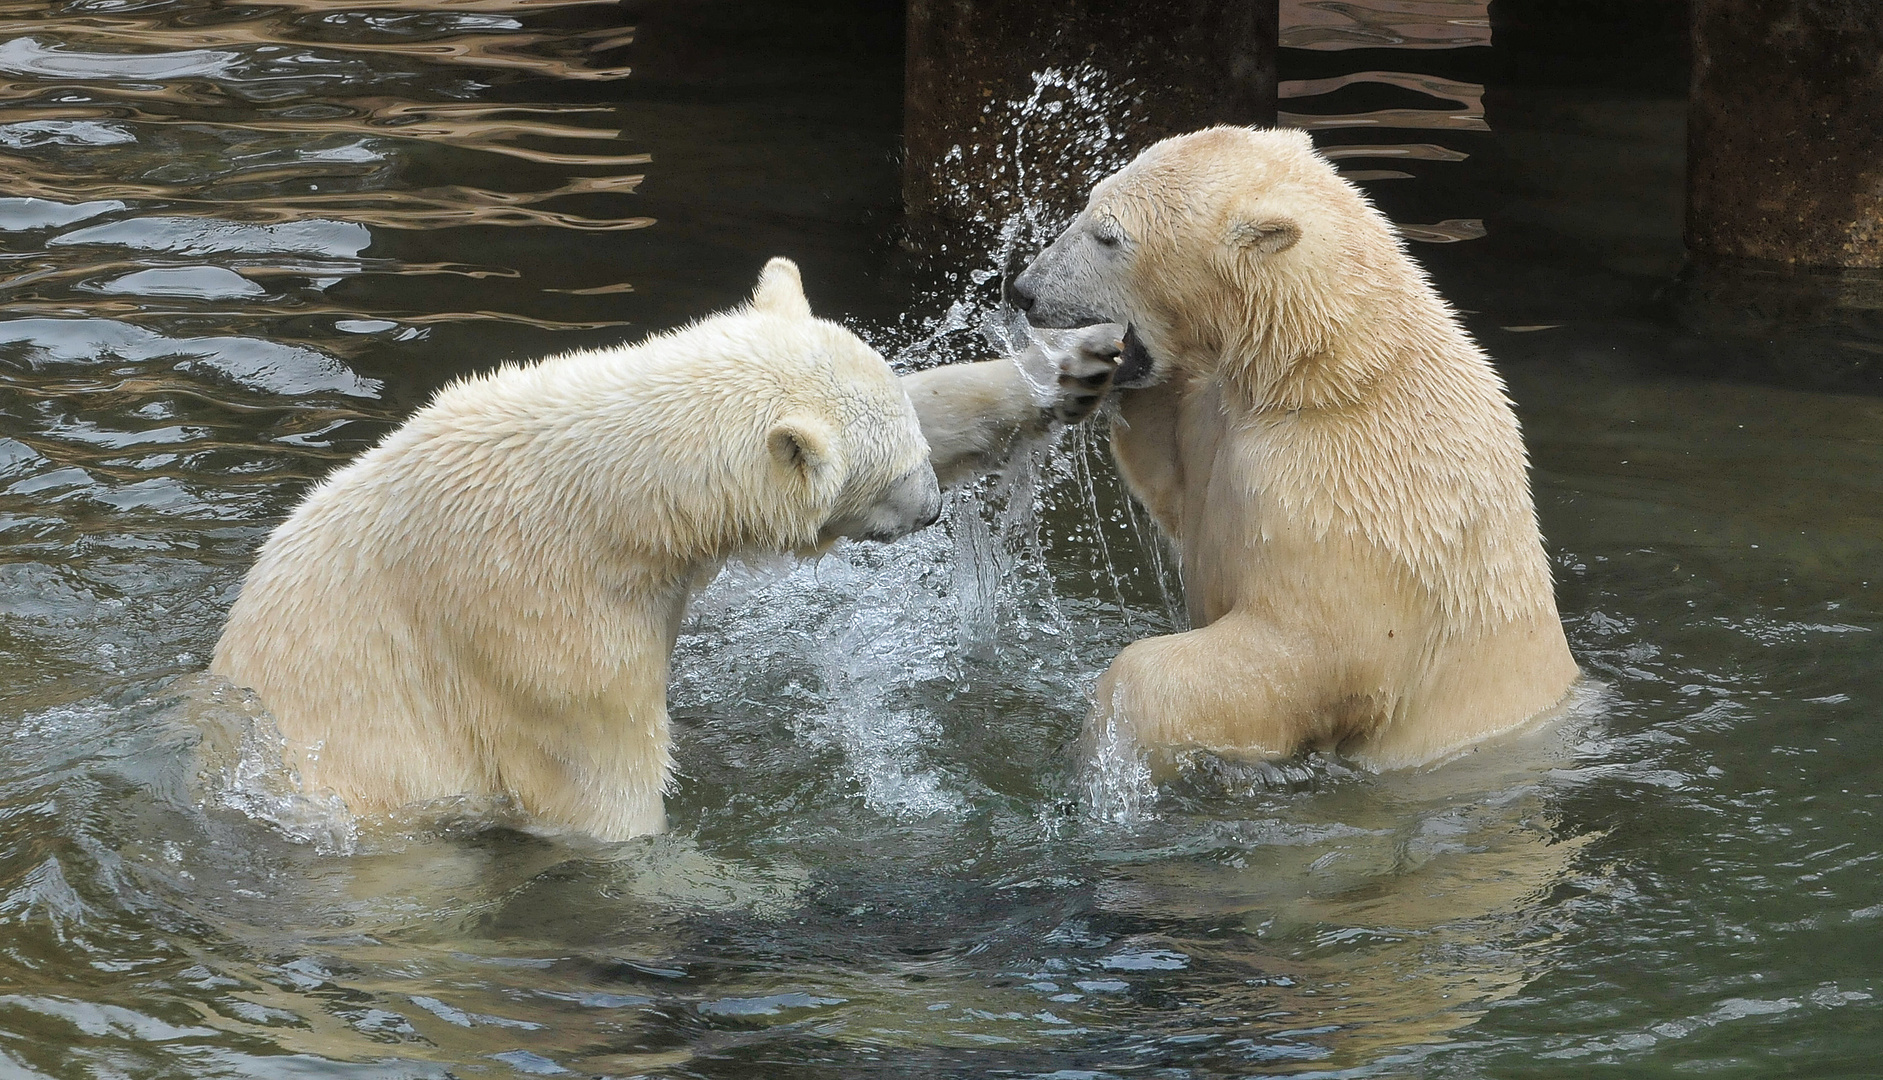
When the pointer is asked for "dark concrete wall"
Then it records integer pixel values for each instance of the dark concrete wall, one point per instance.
(1583, 173)
(1785, 133)
(1129, 73)
(1636, 46)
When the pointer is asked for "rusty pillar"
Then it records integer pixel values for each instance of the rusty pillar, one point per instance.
(1785, 133)
(1013, 104)
(1785, 193)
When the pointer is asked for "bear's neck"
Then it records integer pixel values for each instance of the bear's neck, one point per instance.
(1305, 356)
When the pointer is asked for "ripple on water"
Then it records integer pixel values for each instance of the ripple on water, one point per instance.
(886, 859)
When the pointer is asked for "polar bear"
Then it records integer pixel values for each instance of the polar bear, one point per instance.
(1332, 455)
(485, 603)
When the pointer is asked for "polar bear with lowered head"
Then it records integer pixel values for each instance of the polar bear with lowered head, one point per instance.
(485, 603)
(1332, 455)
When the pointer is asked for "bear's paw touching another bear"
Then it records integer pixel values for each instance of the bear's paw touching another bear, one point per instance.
(485, 603)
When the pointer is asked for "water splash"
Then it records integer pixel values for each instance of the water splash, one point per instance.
(860, 647)
(1117, 782)
(1010, 194)
(1073, 128)
(242, 767)
(1031, 156)
(873, 652)
(977, 573)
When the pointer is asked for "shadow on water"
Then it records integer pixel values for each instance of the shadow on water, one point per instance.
(238, 243)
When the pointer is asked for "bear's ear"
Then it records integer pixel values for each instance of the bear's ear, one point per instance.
(807, 446)
(1267, 235)
(780, 290)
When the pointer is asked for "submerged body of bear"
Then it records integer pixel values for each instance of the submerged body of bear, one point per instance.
(485, 604)
(1331, 453)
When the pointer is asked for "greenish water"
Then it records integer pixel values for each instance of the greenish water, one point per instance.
(266, 233)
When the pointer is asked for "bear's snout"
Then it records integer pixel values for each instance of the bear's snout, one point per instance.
(1019, 294)
(933, 513)
(1064, 287)
(911, 503)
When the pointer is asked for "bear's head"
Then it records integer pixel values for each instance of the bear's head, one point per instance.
(1235, 251)
(843, 438)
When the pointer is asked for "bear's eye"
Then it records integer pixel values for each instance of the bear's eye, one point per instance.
(1107, 232)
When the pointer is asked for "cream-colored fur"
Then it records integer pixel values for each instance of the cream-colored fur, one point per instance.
(974, 415)
(1333, 456)
(485, 603)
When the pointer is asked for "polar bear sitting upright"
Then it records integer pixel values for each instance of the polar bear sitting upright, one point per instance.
(1331, 453)
(485, 602)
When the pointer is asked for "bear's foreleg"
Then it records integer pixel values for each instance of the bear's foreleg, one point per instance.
(594, 767)
(1144, 443)
(973, 415)
(1240, 686)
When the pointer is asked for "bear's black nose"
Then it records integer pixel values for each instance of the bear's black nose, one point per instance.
(1019, 295)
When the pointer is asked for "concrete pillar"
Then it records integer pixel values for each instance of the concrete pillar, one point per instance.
(1785, 133)
(1785, 194)
(1026, 102)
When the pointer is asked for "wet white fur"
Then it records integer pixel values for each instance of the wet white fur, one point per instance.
(485, 603)
(1332, 454)
(973, 415)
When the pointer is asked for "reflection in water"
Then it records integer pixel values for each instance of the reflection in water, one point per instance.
(286, 114)
(1403, 911)
(239, 242)
(1400, 24)
(246, 154)
(1353, 113)
(201, 239)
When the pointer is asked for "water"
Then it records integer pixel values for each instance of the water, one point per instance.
(240, 243)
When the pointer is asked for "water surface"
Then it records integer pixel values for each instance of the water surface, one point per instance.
(240, 243)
